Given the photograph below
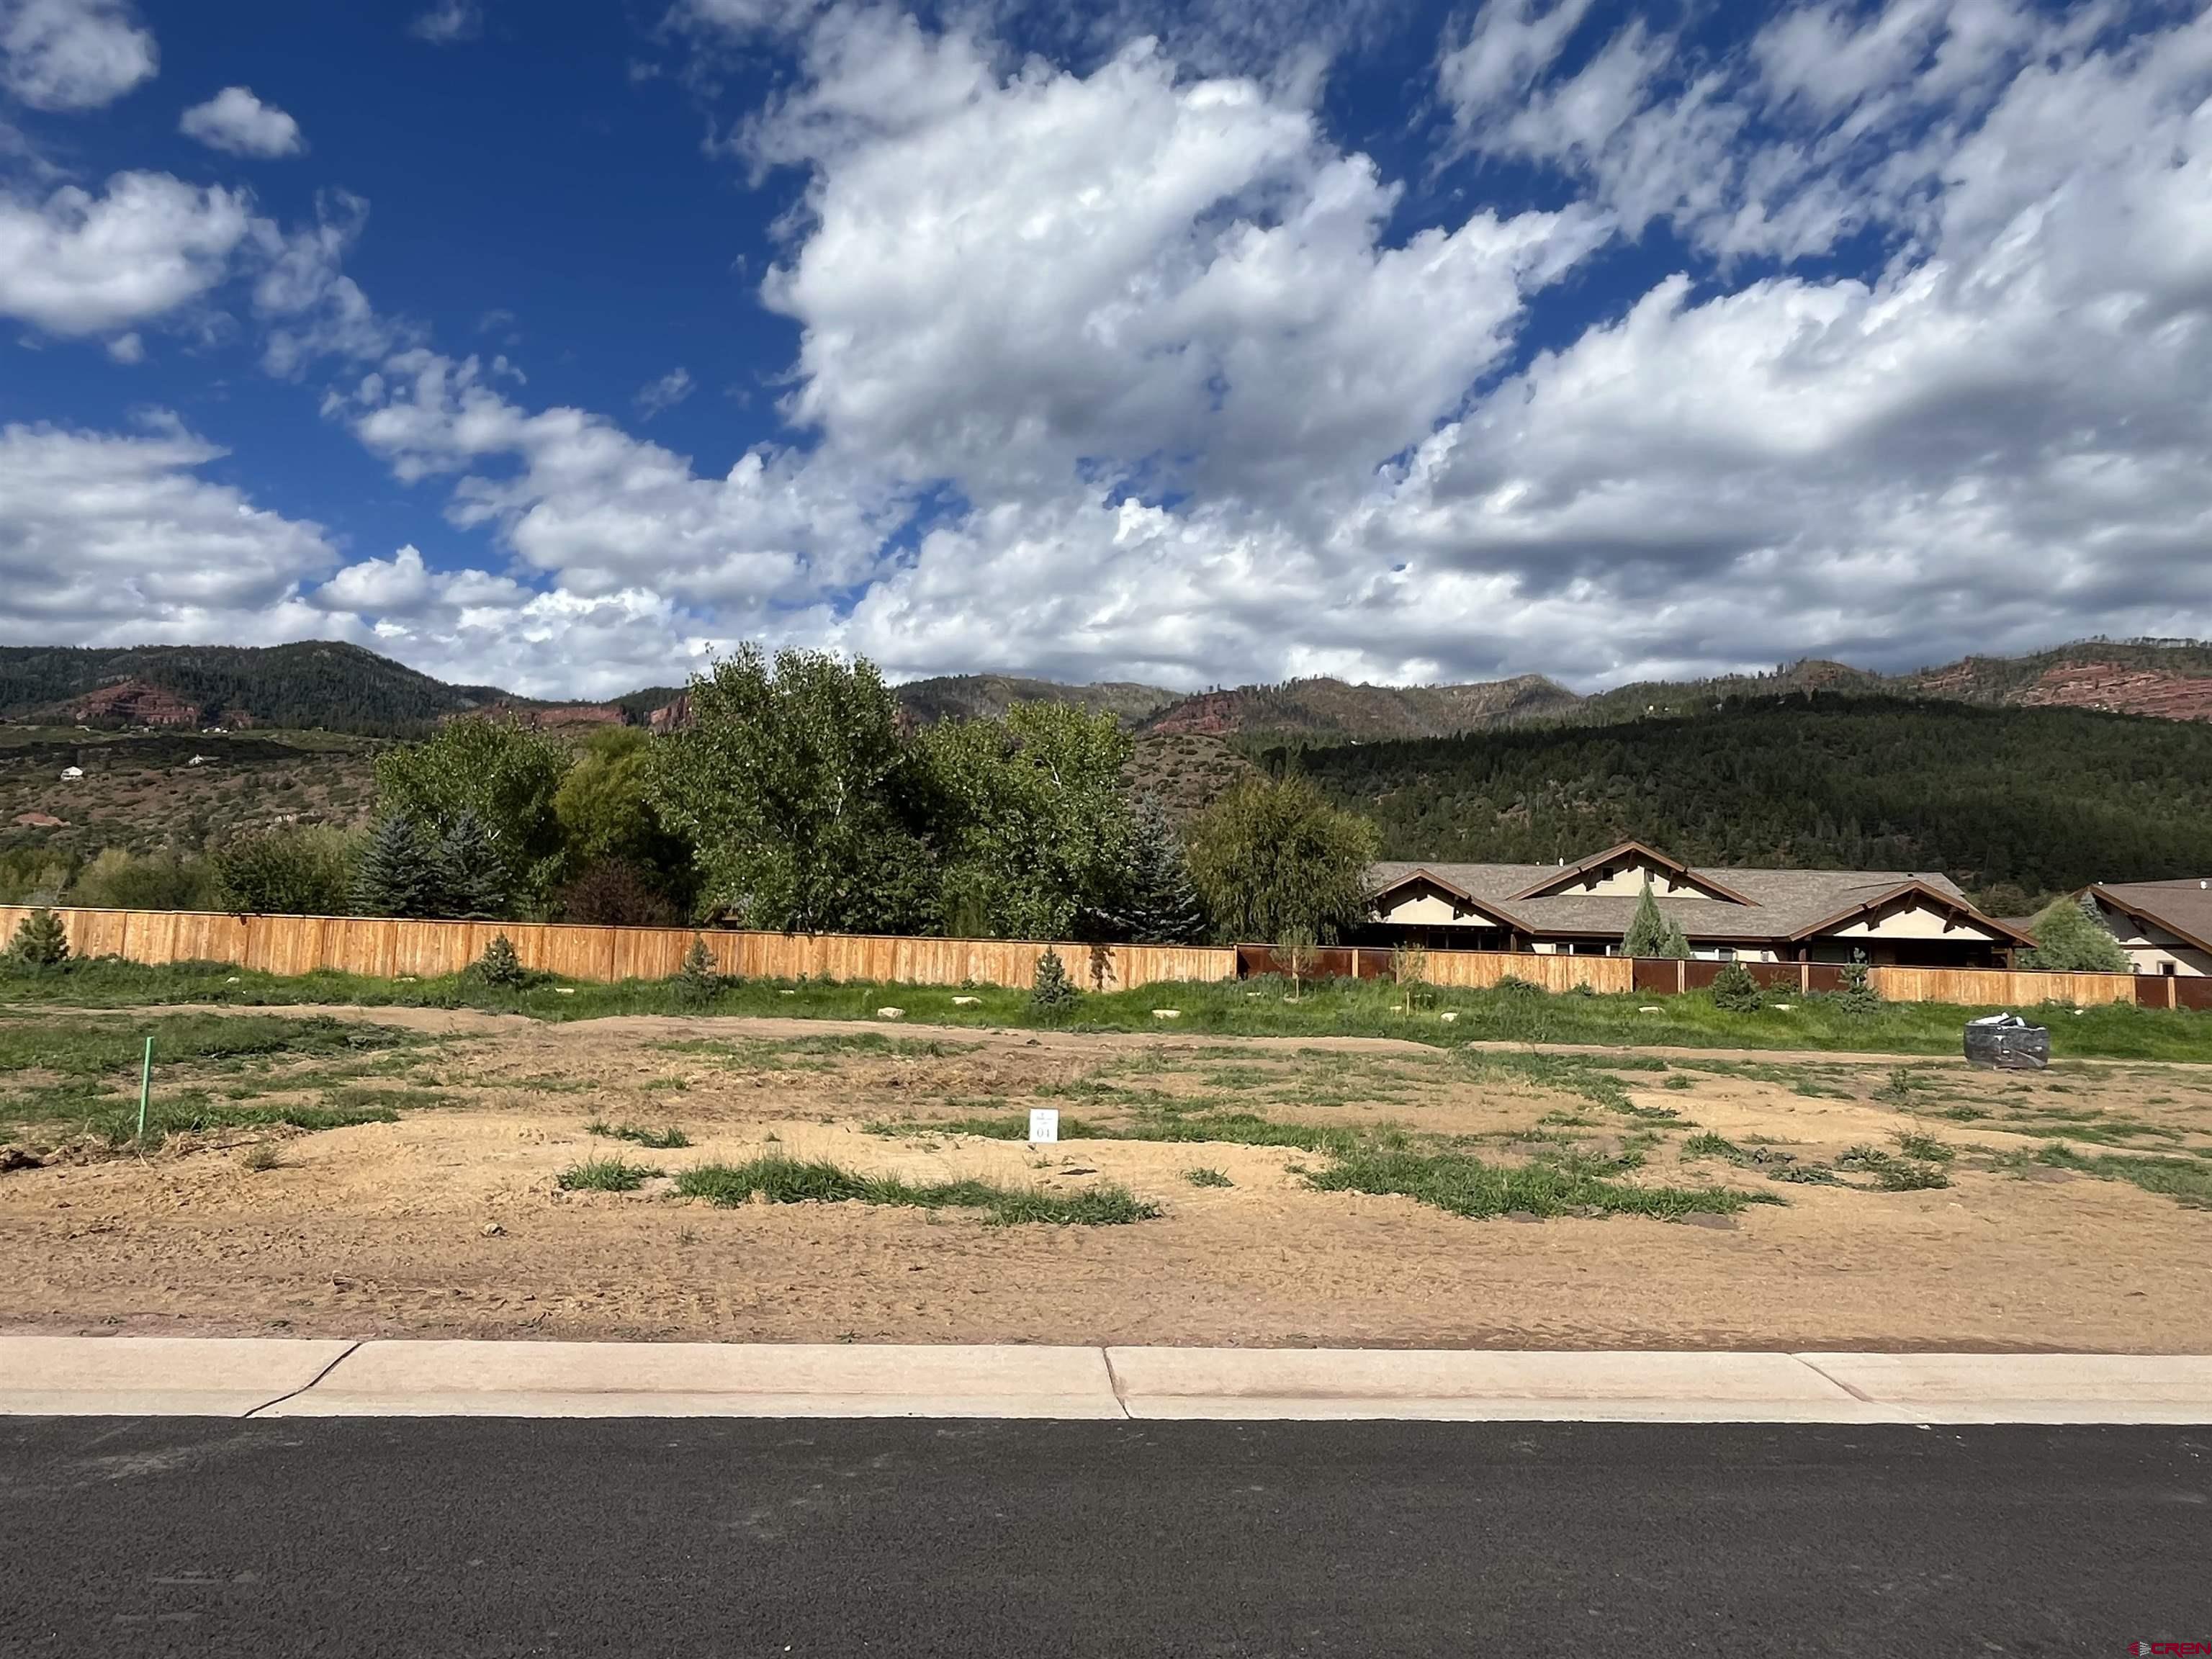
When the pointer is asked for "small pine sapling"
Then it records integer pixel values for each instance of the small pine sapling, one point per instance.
(501, 967)
(1052, 989)
(699, 980)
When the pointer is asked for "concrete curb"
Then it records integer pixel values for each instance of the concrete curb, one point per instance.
(123, 1376)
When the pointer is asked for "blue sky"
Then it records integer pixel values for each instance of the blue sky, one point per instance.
(561, 344)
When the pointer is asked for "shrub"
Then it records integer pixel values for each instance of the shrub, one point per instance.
(1513, 985)
(2069, 940)
(1052, 989)
(287, 871)
(122, 880)
(1735, 990)
(606, 1174)
(40, 942)
(614, 893)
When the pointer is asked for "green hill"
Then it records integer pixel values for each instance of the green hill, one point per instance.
(316, 683)
(2011, 803)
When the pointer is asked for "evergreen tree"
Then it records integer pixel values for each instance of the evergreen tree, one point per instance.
(700, 979)
(500, 966)
(471, 876)
(40, 941)
(397, 875)
(1163, 906)
(1652, 933)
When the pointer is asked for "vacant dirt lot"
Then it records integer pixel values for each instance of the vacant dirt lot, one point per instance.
(452, 1221)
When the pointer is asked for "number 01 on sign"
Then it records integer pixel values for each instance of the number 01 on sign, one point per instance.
(1044, 1127)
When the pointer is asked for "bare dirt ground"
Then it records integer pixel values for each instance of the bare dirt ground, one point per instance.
(451, 1222)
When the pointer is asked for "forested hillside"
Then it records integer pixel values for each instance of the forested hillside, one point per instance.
(312, 683)
(2012, 803)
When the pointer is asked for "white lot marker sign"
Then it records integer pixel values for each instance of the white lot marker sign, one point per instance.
(1044, 1127)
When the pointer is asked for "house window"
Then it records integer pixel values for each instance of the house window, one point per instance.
(2166, 968)
(1726, 953)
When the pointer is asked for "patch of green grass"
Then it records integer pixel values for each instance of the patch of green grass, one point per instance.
(1206, 1177)
(198, 1114)
(2187, 1181)
(658, 1140)
(355, 1098)
(261, 1158)
(1467, 1186)
(792, 1181)
(606, 1174)
(1708, 1145)
(1364, 1007)
(2083, 1123)
(1678, 1081)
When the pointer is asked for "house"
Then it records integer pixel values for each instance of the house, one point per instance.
(1886, 918)
(2165, 926)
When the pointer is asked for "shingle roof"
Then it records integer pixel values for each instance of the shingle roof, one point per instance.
(2182, 907)
(1783, 902)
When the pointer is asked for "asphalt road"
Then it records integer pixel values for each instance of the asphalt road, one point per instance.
(393, 1537)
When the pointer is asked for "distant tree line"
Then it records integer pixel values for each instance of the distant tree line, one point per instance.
(798, 798)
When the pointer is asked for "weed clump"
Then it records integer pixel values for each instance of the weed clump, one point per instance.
(606, 1174)
(658, 1141)
(1205, 1177)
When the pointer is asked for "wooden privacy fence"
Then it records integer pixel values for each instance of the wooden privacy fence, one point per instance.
(385, 949)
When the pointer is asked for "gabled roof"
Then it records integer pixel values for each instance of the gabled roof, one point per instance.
(1408, 874)
(1768, 906)
(1914, 887)
(1553, 880)
(2182, 909)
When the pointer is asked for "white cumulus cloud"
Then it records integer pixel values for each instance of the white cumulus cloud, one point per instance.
(72, 54)
(77, 264)
(237, 122)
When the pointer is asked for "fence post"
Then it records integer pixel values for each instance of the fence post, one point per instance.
(1681, 976)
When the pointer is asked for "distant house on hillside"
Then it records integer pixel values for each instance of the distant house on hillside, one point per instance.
(1886, 918)
(2166, 927)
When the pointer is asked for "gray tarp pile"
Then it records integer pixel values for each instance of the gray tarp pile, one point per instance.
(2008, 1043)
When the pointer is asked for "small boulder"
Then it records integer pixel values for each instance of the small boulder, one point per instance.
(1167, 1013)
(891, 1013)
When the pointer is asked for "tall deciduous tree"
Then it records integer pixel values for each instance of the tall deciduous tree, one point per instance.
(792, 785)
(505, 775)
(1271, 858)
(1037, 833)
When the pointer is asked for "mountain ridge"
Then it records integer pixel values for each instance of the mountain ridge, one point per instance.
(346, 688)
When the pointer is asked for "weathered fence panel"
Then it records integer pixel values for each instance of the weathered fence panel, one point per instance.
(1992, 987)
(1477, 970)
